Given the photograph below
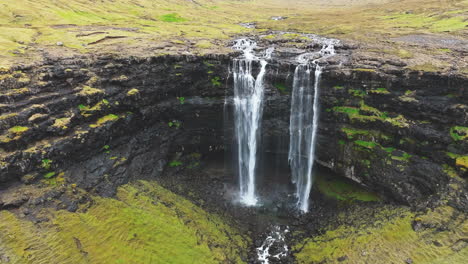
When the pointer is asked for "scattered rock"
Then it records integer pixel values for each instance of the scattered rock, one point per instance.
(59, 43)
(409, 261)
(248, 25)
(417, 225)
(278, 18)
(342, 258)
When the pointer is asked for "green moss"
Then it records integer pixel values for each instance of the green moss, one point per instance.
(89, 91)
(404, 54)
(366, 144)
(204, 44)
(404, 157)
(281, 88)
(427, 67)
(346, 110)
(175, 163)
(389, 149)
(367, 113)
(388, 237)
(343, 189)
(49, 175)
(459, 133)
(144, 224)
(357, 93)
(341, 142)
(62, 122)
(173, 17)
(105, 119)
(462, 161)
(18, 130)
(363, 70)
(351, 132)
(338, 87)
(46, 163)
(379, 91)
(216, 81)
(133, 92)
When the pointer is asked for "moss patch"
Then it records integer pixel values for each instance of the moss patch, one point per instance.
(462, 161)
(90, 91)
(145, 224)
(459, 133)
(343, 189)
(105, 119)
(388, 237)
(18, 130)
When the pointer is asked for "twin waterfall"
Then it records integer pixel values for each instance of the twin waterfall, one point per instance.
(248, 104)
(303, 131)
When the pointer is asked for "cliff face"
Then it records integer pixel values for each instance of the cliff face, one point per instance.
(102, 122)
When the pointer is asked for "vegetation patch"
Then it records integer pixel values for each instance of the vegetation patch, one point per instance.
(133, 92)
(343, 189)
(366, 144)
(62, 123)
(105, 119)
(18, 130)
(459, 133)
(204, 44)
(388, 237)
(172, 17)
(89, 91)
(367, 113)
(281, 88)
(379, 91)
(462, 161)
(144, 224)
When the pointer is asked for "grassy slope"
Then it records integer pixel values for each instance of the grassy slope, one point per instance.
(390, 238)
(145, 224)
(27, 27)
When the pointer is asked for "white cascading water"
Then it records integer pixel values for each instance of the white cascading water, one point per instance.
(304, 122)
(275, 241)
(248, 104)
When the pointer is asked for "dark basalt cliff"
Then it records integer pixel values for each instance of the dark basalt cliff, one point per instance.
(102, 122)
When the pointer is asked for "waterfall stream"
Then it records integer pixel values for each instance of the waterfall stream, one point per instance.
(304, 122)
(248, 104)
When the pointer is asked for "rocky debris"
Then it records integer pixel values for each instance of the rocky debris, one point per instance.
(277, 18)
(248, 24)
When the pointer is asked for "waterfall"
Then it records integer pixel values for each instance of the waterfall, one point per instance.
(248, 110)
(304, 122)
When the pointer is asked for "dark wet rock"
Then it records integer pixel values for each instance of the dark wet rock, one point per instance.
(342, 258)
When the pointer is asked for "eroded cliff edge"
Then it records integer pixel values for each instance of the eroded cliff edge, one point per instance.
(102, 122)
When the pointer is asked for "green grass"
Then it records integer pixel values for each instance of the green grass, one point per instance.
(343, 189)
(144, 223)
(173, 17)
(387, 236)
(82, 27)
